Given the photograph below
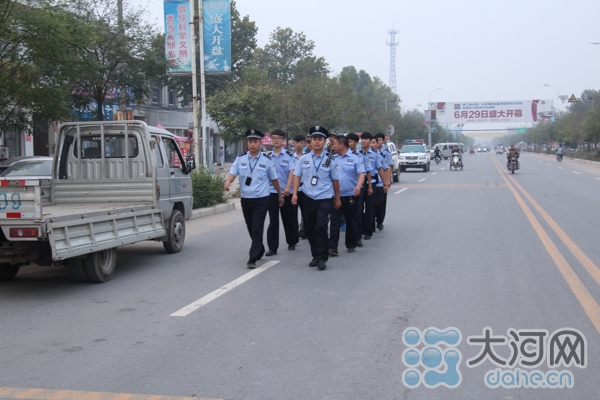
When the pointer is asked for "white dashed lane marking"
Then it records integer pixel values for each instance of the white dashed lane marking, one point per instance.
(434, 173)
(190, 308)
(422, 179)
(575, 172)
(560, 168)
(400, 191)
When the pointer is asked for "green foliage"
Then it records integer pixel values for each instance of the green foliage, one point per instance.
(37, 47)
(207, 188)
(129, 53)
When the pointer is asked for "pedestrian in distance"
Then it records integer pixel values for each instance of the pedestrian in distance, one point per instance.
(352, 177)
(317, 172)
(284, 165)
(221, 157)
(256, 171)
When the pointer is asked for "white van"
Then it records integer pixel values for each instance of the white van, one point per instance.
(445, 148)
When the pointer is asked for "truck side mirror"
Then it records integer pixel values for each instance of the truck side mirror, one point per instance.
(191, 165)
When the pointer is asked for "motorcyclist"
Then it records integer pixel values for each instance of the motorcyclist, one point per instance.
(512, 151)
(456, 151)
(437, 153)
(560, 151)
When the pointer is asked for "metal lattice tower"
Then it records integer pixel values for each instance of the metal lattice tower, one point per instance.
(392, 43)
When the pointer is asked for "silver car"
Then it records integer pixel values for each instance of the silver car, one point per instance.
(30, 167)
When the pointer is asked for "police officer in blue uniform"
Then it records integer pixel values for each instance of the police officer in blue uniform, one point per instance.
(317, 172)
(381, 186)
(284, 164)
(370, 196)
(380, 211)
(299, 142)
(255, 170)
(352, 176)
(353, 142)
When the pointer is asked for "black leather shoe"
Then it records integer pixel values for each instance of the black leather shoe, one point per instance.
(367, 237)
(380, 227)
(270, 253)
(333, 252)
(302, 236)
(359, 243)
(251, 264)
(314, 262)
(291, 247)
(351, 250)
(322, 264)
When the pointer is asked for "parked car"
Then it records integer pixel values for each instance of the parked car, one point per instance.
(14, 160)
(30, 168)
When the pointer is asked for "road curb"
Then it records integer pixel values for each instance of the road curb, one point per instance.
(208, 211)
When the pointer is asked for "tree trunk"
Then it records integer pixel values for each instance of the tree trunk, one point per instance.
(99, 111)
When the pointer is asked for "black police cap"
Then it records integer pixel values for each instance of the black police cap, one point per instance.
(254, 134)
(318, 131)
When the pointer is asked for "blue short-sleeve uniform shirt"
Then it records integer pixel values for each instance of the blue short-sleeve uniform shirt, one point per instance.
(350, 166)
(260, 169)
(317, 174)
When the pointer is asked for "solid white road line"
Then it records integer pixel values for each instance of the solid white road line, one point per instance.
(434, 173)
(575, 172)
(190, 308)
(422, 179)
(400, 191)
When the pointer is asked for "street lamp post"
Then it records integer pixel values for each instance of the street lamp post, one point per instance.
(429, 106)
(557, 98)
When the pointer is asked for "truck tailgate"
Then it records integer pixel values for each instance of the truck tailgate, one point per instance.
(79, 230)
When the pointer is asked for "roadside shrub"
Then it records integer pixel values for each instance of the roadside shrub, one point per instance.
(207, 188)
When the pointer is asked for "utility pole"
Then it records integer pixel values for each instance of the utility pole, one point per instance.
(122, 112)
(194, 86)
(393, 43)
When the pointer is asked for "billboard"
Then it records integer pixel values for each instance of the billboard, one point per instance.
(471, 112)
(178, 35)
(217, 36)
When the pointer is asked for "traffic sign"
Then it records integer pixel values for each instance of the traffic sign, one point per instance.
(563, 97)
(572, 99)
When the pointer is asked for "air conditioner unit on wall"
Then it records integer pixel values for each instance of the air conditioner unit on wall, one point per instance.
(4, 153)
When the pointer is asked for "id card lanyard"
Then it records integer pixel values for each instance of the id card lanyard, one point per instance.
(249, 177)
(315, 179)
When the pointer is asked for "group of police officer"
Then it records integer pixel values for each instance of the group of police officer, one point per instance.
(349, 182)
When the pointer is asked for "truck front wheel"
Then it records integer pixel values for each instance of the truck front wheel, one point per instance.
(100, 266)
(176, 234)
(7, 271)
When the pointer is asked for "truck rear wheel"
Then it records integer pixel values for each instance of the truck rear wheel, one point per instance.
(77, 268)
(100, 266)
(7, 271)
(176, 233)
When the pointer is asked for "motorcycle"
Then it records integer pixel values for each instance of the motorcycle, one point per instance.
(438, 159)
(513, 164)
(559, 157)
(471, 151)
(456, 163)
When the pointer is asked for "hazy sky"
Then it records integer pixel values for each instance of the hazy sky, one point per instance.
(476, 50)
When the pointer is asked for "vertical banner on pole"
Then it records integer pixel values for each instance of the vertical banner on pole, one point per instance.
(178, 47)
(217, 36)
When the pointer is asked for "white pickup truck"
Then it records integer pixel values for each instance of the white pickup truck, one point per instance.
(113, 183)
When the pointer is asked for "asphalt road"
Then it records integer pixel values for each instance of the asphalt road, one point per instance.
(465, 249)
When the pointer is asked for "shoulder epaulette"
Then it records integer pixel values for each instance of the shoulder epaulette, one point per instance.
(331, 155)
(289, 153)
(269, 155)
(242, 154)
(306, 152)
